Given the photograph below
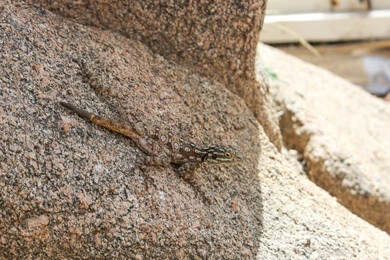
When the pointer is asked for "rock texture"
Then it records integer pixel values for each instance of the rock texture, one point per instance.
(341, 131)
(70, 189)
(302, 221)
(210, 38)
(216, 39)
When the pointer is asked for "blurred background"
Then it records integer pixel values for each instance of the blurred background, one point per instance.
(350, 38)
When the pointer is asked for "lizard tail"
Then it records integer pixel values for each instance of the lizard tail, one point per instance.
(78, 111)
(113, 125)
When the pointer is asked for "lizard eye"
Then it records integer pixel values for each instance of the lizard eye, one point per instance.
(228, 155)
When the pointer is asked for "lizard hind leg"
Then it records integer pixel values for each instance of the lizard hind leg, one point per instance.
(157, 160)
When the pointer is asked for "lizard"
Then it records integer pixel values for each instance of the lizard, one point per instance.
(163, 147)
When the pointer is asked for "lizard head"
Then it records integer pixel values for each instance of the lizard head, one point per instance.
(222, 154)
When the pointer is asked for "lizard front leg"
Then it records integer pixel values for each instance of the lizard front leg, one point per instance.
(188, 167)
(186, 170)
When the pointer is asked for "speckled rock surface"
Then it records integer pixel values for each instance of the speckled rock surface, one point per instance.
(217, 39)
(341, 131)
(205, 36)
(302, 221)
(71, 189)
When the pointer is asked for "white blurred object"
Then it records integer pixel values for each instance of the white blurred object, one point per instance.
(326, 20)
(378, 71)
